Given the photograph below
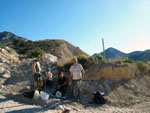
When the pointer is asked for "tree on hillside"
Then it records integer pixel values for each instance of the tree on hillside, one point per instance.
(16, 42)
(36, 52)
(98, 58)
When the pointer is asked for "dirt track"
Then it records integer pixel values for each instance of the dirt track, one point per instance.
(10, 106)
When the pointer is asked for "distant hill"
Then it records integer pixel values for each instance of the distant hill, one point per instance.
(140, 56)
(64, 50)
(112, 53)
(7, 37)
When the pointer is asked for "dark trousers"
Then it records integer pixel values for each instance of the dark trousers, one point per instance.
(48, 83)
(75, 90)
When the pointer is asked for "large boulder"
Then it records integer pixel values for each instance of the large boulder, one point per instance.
(49, 58)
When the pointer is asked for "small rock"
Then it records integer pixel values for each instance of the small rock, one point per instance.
(59, 107)
(2, 70)
(6, 75)
(2, 60)
(132, 86)
(2, 86)
(7, 72)
(28, 87)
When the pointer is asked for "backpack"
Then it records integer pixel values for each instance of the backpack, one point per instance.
(29, 94)
(99, 99)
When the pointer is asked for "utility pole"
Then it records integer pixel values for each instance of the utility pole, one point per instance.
(103, 49)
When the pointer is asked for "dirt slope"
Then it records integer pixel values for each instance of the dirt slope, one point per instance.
(60, 48)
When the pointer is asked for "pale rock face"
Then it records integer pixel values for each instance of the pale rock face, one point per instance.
(6, 75)
(115, 72)
(49, 58)
(7, 55)
(2, 70)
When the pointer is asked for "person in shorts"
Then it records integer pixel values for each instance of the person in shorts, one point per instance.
(36, 71)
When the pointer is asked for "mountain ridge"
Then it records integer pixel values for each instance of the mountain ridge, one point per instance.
(112, 53)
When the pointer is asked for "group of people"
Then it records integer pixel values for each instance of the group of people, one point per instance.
(76, 76)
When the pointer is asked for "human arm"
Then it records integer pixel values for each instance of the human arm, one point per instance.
(71, 75)
(33, 68)
(62, 82)
(83, 72)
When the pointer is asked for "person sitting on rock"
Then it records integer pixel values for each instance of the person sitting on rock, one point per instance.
(62, 84)
(36, 71)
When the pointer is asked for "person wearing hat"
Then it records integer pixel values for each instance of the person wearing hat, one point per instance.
(36, 71)
(62, 84)
(76, 77)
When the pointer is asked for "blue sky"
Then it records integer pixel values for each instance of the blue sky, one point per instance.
(124, 24)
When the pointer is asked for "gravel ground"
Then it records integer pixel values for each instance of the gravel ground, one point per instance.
(10, 106)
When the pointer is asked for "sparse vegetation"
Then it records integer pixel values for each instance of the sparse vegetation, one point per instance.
(141, 66)
(98, 58)
(118, 61)
(148, 63)
(83, 60)
(36, 52)
(127, 60)
(22, 50)
(21, 45)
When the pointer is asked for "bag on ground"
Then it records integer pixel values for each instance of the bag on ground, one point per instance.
(98, 98)
(36, 94)
(44, 96)
(29, 94)
(58, 94)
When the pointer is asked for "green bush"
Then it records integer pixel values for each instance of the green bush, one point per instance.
(141, 66)
(22, 50)
(36, 52)
(82, 59)
(16, 41)
(127, 60)
(98, 58)
(118, 62)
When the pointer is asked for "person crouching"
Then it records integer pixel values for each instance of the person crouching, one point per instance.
(62, 84)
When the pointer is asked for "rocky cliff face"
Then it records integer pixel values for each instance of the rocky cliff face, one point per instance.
(111, 71)
(8, 55)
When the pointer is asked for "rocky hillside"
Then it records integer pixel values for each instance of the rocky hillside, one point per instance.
(7, 37)
(123, 84)
(59, 48)
(62, 49)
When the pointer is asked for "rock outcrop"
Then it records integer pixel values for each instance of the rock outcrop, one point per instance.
(111, 71)
(8, 55)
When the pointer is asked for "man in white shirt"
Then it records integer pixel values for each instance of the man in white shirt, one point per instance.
(76, 77)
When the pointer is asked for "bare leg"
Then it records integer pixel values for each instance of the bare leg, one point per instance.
(35, 85)
(38, 84)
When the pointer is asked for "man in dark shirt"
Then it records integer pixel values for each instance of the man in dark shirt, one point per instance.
(62, 84)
